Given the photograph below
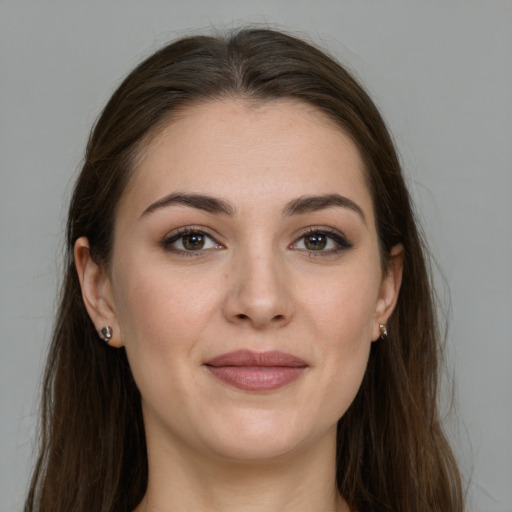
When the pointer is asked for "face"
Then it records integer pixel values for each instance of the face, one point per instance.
(245, 280)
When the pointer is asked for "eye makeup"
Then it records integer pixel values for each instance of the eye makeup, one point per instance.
(318, 241)
(321, 241)
(190, 241)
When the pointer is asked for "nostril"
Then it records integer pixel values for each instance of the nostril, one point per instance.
(261, 319)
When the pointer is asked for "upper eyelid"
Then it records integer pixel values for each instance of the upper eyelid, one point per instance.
(320, 229)
(334, 234)
(167, 243)
(182, 231)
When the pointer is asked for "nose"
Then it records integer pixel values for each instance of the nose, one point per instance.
(259, 292)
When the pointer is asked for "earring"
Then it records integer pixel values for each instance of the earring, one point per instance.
(383, 331)
(105, 333)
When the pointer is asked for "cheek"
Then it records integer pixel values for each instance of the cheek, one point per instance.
(343, 304)
(162, 317)
(161, 311)
(343, 315)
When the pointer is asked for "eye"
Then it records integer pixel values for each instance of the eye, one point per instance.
(316, 241)
(322, 240)
(190, 240)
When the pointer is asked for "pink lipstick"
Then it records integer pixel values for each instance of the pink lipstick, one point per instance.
(256, 371)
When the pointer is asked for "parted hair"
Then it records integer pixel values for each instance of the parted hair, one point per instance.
(392, 454)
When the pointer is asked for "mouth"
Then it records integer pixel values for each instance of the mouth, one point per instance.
(256, 371)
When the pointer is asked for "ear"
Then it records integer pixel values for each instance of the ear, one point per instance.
(96, 291)
(389, 289)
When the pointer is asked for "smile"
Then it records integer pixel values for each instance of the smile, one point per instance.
(256, 371)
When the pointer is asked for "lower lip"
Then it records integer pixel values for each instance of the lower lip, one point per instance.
(257, 378)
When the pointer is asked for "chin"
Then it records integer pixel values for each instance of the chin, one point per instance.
(258, 436)
(256, 449)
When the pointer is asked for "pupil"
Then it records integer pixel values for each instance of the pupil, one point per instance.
(193, 241)
(316, 242)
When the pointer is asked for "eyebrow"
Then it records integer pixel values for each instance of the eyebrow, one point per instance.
(301, 205)
(307, 204)
(201, 202)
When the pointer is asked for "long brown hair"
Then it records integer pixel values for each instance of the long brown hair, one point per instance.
(392, 453)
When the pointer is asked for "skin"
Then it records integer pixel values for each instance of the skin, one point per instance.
(256, 284)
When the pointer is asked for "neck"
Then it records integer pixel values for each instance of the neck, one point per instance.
(182, 480)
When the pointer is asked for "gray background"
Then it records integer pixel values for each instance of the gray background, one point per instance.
(441, 73)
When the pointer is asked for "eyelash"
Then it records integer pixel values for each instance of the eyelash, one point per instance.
(341, 242)
(181, 233)
(335, 236)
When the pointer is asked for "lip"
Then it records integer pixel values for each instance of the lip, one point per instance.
(256, 371)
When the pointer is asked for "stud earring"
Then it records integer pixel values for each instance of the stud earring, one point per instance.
(383, 331)
(105, 333)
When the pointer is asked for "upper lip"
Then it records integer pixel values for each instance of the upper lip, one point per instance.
(251, 358)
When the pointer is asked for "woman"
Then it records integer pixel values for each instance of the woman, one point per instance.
(247, 321)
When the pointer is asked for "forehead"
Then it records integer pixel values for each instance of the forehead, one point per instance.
(246, 151)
